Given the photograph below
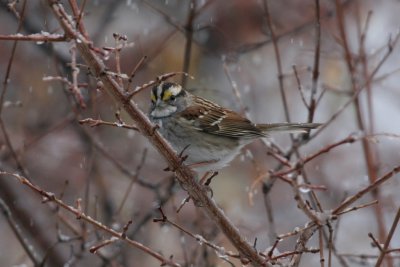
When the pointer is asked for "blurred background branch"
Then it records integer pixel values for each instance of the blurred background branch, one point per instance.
(302, 200)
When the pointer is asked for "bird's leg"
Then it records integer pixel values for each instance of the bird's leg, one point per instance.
(206, 180)
(204, 177)
(209, 179)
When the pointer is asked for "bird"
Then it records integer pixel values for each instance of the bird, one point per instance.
(210, 135)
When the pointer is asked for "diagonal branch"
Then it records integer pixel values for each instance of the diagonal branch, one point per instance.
(183, 173)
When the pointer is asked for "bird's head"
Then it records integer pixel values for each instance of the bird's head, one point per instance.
(166, 99)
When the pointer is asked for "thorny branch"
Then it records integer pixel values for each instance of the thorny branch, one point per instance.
(289, 170)
(183, 173)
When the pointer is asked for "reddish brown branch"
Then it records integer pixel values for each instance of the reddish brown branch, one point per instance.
(315, 72)
(50, 197)
(278, 60)
(36, 37)
(189, 40)
(183, 173)
(368, 149)
(324, 150)
(92, 123)
(367, 189)
(388, 239)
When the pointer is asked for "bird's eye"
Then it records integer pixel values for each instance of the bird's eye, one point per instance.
(172, 98)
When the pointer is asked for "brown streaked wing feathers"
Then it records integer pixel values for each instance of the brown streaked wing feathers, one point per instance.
(211, 118)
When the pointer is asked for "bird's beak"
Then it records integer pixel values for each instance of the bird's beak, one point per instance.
(158, 103)
(162, 109)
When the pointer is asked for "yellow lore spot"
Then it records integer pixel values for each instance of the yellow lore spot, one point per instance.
(173, 90)
(167, 95)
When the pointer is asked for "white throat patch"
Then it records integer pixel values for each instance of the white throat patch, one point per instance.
(162, 112)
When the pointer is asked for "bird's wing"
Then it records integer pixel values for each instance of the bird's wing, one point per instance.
(211, 118)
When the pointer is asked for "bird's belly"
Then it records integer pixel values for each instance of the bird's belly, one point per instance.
(205, 151)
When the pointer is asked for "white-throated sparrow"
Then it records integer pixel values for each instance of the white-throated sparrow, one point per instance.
(211, 135)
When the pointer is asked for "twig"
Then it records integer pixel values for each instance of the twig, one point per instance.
(315, 72)
(118, 38)
(235, 90)
(291, 253)
(104, 243)
(75, 71)
(364, 62)
(388, 239)
(278, 60)
(167, 18)
(135, 69)
(156, 81)
(189, 40)
(321, 247)
(200, 239)
(42, 37)
(299, 87)
(50, 197)
(363, 256)
(358, 207)
(330, 245)
(296, 231)
(78, 15)
(29, 249)
(161, 201)
(350, 139)
(78, 19)
(133, 180)
(367, 189)
(92, 123)
(375, 242)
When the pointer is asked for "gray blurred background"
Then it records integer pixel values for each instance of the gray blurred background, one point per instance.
(230, 38)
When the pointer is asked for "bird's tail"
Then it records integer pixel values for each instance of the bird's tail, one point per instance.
(287, 127)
